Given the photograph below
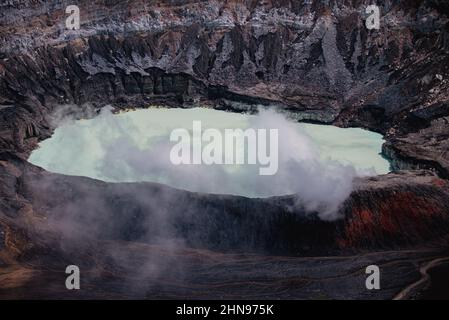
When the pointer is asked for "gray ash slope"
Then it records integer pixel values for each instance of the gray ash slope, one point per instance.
(315, 61)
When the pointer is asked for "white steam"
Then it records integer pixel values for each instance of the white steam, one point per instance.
(135, 147)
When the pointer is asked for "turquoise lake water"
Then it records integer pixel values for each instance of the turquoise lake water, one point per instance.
(134, 146)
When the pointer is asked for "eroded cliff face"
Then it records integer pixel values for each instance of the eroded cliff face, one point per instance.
(314, 60)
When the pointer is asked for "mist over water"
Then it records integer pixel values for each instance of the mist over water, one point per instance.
(316, 162)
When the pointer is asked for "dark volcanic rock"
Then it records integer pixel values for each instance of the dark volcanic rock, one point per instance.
(118, 235)
(387, 212)
(314, 60)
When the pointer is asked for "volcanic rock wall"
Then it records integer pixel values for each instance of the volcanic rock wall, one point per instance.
(314, 59)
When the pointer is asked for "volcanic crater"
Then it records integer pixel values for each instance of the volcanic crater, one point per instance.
(314, 61)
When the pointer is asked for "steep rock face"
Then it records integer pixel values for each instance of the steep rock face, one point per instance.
(316, 60)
